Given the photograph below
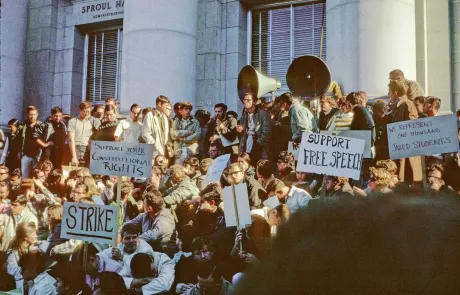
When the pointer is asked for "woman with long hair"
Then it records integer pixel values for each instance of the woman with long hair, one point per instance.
(24, 242)
(47, 167)
(54, 218)
(245, 160)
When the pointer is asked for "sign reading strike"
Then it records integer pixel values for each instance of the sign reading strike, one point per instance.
(331, 155)
(427, 136)
(90, 223)
(121, 159)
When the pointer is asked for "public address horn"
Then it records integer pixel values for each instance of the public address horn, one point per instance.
(308, 77)
(249, 80)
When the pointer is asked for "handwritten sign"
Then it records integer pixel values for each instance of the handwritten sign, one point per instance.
(216, 168)
(242, 206)
(90, 223)
(427, 136)
(361, 134)
(121, 159)
(331, 155)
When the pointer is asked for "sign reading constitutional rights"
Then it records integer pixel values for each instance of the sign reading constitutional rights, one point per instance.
(89, 222)
(121, 159)
(427, 136)
(331, 155)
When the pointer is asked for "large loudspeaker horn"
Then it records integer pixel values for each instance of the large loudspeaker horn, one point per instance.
(249, 80)
(308, 77)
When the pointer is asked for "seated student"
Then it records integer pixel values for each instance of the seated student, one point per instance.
(293, 197)
(211, 281)
(95, 264)
(392, 168)
(255, 245)
(245, 161)
(130, 245)
(204, 165)
(256, 192)
(278, 216)
(286, 167)
(187, 267)
(191, 167)
(68, 281)
(158, 269)
(156, 225)
(309, 182)
(128, 205)
(110, 283)
(183, 189)
(377, 185)
(265, 171)
(19, 213)
(436, 183)
(24, 241)
(38, 280)
(337, 187)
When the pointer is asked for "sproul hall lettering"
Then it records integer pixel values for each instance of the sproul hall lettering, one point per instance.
(102, 6)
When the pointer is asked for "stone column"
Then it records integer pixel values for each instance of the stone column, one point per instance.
(366, 39)
(455, 52)
(13, 33)
(159, 51)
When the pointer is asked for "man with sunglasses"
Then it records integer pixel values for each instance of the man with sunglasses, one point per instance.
(130, 129)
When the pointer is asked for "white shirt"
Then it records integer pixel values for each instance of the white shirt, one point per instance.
(129, 131)
(297, 198)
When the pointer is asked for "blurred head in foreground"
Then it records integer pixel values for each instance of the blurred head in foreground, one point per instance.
(391, 245)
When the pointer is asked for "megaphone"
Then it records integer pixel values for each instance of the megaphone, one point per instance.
(308, 77)
(249, 80)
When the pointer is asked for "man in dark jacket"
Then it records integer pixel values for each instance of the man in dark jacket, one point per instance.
(255, 129)
(31, 149)
(53, 134)
(256, 192)
(362, 119)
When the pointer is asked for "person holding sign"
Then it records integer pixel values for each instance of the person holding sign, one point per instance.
(293, 197)
(410, 169)
(256, 192)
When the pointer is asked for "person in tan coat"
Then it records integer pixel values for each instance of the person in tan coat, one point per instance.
(410, 169)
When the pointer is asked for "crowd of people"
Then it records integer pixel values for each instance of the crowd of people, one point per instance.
(173, 237)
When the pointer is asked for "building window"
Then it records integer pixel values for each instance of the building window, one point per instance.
(282, 33)
(103, 63)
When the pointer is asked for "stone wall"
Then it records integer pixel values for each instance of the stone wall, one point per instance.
(221, 52)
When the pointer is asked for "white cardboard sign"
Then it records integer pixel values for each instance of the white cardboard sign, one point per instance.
(216, 168)
(121, 159)
(90, 223)
(427, 136)
(361, 134)
(242, 204)
(331, 155)
(272, 202)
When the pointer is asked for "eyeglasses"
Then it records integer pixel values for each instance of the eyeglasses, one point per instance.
(2, 173)
(235, 172)
(432, 179)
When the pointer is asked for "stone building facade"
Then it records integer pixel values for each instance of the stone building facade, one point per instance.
(193, 49)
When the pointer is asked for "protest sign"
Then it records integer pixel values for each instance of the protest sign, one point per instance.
(237, 212)
(90, 223)
(360, 134)
(121, 159)
(427, 136)
(226, 142)
(216, 168)
(293, 150)
(331, 155)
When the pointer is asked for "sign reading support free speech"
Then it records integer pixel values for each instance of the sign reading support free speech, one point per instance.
(331, 155)
(427, 136)
(90, 223)
(121, 159)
